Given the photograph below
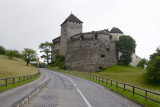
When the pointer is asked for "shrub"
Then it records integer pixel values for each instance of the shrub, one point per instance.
(2, 50)
(10, 54)
(62, 65)
(153, 70)
(59, 61)
(142, 63)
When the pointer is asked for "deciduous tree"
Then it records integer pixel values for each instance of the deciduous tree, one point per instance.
(126, 46)
(46, 50)
(29, 55)
(10, 54)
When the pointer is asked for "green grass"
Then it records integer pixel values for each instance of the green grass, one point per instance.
(130, 75)
(10, 86)
(14, 68)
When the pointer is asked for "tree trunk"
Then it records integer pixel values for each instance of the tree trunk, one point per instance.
(47, 59)
(27, 63)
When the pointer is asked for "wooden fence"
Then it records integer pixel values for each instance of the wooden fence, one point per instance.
(125, 87)
(12, 80)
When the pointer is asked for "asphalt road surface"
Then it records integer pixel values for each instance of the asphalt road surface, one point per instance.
(69, 91)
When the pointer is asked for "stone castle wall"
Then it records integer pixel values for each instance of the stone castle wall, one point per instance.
(67, 30)
(91, 52)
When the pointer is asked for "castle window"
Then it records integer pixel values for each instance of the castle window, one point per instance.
(82, 37)
(100, 67)
(110, 37)
(102, 56)
(96, 36)
(107, 49)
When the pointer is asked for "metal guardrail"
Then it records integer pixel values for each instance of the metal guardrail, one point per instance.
(12, 80)
(117, 84)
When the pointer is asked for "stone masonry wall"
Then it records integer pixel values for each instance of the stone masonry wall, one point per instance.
(89, 54)
(67, 30)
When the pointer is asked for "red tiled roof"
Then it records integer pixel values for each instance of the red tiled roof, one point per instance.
(72, 18)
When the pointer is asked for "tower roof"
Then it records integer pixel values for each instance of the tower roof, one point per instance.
(72, 18)
(115, 30)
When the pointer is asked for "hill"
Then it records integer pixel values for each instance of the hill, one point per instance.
(128, 74)
(15, 67)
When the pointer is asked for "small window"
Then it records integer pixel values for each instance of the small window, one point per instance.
(82, 37)
(96, 36)
(102, 56)
(100, 67)
(107, 49)
(110, 37)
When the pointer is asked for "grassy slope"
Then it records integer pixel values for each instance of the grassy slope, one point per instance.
(128, 74)
(15, 67)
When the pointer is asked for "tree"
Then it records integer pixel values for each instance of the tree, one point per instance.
(46, 50)
(10, 54)
(59, 61)
(126, 46)
(142, 63)
(29, 55)
(17, 54)
(2, 50)
(152, 56)
(153, 70)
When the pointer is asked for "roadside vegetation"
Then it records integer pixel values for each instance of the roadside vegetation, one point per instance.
(14, 68)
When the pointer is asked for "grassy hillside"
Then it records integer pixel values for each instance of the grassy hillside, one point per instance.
(15, 67)
(128, 74)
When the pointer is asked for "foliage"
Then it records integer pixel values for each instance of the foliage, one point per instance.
(2, 50)
(142, 63)
(17, 54)
(152, 56)
(153, 70)
(126, 45)
(10, 54)
(29, 55)
(41, 64)
(101, 70)
(46, 50)
(13, 53)
(59, 61)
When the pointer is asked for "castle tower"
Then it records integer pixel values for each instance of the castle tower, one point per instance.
(116, 32)
(71, 26)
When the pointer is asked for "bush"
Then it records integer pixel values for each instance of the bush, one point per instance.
(62, 65)
(10, 54)
(59, 61)
(142, 63)
(2, 50)
(121, 63)
(153, 70)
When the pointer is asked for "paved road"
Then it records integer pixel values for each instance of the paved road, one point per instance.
(11, 97)
(69, 91)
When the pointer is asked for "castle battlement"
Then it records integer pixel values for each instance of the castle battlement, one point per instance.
(91, 36)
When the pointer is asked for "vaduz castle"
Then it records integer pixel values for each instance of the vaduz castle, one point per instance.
(90, 51)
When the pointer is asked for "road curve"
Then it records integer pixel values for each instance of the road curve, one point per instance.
(69, 91)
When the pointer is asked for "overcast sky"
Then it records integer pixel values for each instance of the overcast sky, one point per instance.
(27, 23)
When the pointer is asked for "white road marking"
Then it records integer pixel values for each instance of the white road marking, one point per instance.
(74, 84)
(88, 104)
(84, 98)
